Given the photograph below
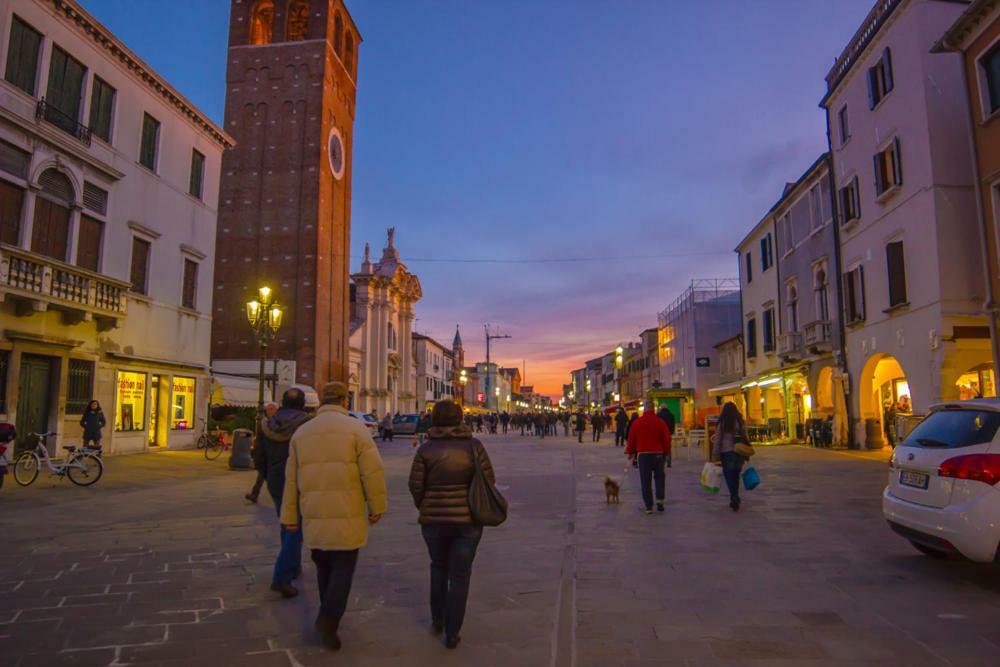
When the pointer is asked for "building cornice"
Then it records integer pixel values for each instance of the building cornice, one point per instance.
(967, 26)
(91, 27)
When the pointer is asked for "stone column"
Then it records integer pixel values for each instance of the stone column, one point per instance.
(28, 216)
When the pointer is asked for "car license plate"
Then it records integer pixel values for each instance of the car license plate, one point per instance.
(915, 479)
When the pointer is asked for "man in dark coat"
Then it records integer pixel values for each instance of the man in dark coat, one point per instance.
(275, 434)
(667, 416)
(581, 425)
(621, 426)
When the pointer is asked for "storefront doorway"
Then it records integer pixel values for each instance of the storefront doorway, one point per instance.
(34, 400)
(159, 411)
(154, 394)
(884, 399)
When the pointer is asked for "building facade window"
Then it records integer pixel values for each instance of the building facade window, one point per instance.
(89, 241)
(766, 253)
(130, 402)
(792, 309)
(850, 201)
(349, 53)
(149, 146)
(197, 181)
(189, 296)
(298, 21)
(821, 294)
(749, 265)
(64, 93)
(752, 338)
(338, 35)
(139, 272)
(816, 207)
(182, 404)
(80, 386)
(102, 109)
(23, 52)
(896, 269)
(11, 203)
(768, 324)
(50, 230)
(854, 295)
(95, 198)
(990, 64)
(845, 127)
(262, 23)
(888, 168)
(880, 79)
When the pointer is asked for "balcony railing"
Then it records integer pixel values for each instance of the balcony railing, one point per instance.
(49, 282)
(790, 344)
(63, 121)
(818, 335)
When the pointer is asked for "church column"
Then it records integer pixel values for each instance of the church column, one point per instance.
(406, 346)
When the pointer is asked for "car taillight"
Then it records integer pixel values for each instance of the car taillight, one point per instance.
(977, 467)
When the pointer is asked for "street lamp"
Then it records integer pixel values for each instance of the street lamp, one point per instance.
(463, 379)
(264, 316)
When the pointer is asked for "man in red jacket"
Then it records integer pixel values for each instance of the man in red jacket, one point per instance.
(649, 443)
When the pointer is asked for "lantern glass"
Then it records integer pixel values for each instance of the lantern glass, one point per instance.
(265, 295)
(274, 317)
(253, 312)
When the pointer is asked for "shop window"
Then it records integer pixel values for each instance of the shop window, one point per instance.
(102, 108)
(130, 402)
(88, 252)
(64, 93)
(896, 267)
(140, 264)
(11, 202)
(182, 404)
(880, 79)
(850, 201)
(80, 389)
(298, 21)
(854, 295)
(4, 364)
(262, 23)
(190, 287)
(991, 74)
(196, 183)
(149, 146)
(22, 55)
(888, 168)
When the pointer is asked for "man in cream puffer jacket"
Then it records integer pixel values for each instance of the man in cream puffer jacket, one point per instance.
(335, 482)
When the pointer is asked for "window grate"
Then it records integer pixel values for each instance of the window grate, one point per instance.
(81, 386)
(57, 186)
(13, 160)
(95, 198)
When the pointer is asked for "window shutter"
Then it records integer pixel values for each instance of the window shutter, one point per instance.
(95, 198)
(13, 160)
(88, 253)
(856, 198)
(895, 265)
(190, 284)
(861, 292)
(878, 159)
(140, 263)
(749, 263)
(897, 163)
(887, 69)
(11, 201)
(871, 88)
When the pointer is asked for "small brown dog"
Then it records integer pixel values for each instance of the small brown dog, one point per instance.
(611, 488)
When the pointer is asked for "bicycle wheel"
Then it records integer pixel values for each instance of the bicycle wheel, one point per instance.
(202, 441)
(26, 468)
(85, 470)
(214, 449)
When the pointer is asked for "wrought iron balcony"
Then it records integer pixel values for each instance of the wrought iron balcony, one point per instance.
(818, 336)
(790, 344)
(63, 121)
(39, 283)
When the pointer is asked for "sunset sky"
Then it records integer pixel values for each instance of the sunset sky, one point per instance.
(560, 169)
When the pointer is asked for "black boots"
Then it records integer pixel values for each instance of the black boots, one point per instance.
(326, 628)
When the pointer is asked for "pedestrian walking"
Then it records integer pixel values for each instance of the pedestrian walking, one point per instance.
(336, 483)
(565, 421)
(420, 432)
(621, 426)
(276, 433)
(596, 425)
(581, 425)
(93, 422)
(649, 444)
(505, 421)
(386, 426)
(668, 418)
(259, 460)
(442, 471)
(730, 432)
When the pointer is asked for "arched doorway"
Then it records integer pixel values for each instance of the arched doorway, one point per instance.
(883, 396)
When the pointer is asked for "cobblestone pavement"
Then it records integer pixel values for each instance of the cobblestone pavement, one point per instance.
(163, 562)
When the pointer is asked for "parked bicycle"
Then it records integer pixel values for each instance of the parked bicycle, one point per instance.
(82, 466)
(213, 443)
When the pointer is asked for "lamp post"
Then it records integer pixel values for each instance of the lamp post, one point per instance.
(619, 362)
(463, 379)
(264, 316)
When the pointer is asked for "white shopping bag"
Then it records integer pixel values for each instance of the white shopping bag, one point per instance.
(711, 477)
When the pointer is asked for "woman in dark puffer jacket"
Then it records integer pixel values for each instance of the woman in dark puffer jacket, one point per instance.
(439, 482)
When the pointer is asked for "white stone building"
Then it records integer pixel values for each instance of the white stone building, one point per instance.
(435, 371)
(109, 182)
(913, 279)
(382, 334)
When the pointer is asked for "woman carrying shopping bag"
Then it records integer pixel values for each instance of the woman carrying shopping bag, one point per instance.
(729, 441)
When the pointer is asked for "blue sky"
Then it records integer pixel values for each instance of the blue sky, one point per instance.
(535, 133)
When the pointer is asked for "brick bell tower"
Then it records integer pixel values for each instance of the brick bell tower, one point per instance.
(285, 205)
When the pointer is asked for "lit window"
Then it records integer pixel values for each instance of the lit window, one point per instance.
(262, 23)
(130, 401)
(182, 405)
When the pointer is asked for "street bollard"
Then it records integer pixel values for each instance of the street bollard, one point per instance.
(239, 457)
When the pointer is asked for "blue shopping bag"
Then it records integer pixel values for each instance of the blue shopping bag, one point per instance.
(751, 478)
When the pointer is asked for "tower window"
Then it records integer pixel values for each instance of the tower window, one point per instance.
(298, 21)
(338, 33)
(349, 54)
(262, 23)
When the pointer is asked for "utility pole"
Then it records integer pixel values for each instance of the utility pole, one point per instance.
(489, 339)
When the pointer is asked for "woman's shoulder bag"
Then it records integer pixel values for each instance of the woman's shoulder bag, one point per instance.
(486, 504)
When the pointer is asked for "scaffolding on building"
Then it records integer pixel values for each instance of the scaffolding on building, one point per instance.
(699, 291)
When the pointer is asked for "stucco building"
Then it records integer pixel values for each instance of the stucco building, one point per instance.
(385, 292)
(285, 210)
(109, 185)
(435, 371)
(912, 277)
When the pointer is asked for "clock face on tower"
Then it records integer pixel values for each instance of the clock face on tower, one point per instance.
(335, 151)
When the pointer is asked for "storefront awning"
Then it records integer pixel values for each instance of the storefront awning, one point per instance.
(235, 391)
(725, 389)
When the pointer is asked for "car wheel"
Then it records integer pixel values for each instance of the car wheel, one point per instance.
(930, 551)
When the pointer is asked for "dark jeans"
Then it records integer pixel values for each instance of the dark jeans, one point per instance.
(620, 437)
(650, 470)
(261, 478)
(732, 466)
(334, 573)
(289, 561)
(387, 434)
(597, 435)
(452, 549)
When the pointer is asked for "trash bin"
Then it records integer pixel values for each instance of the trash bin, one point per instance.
(239, 457)
(873, 434)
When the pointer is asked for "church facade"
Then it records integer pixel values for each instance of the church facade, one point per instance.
(383, 368)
